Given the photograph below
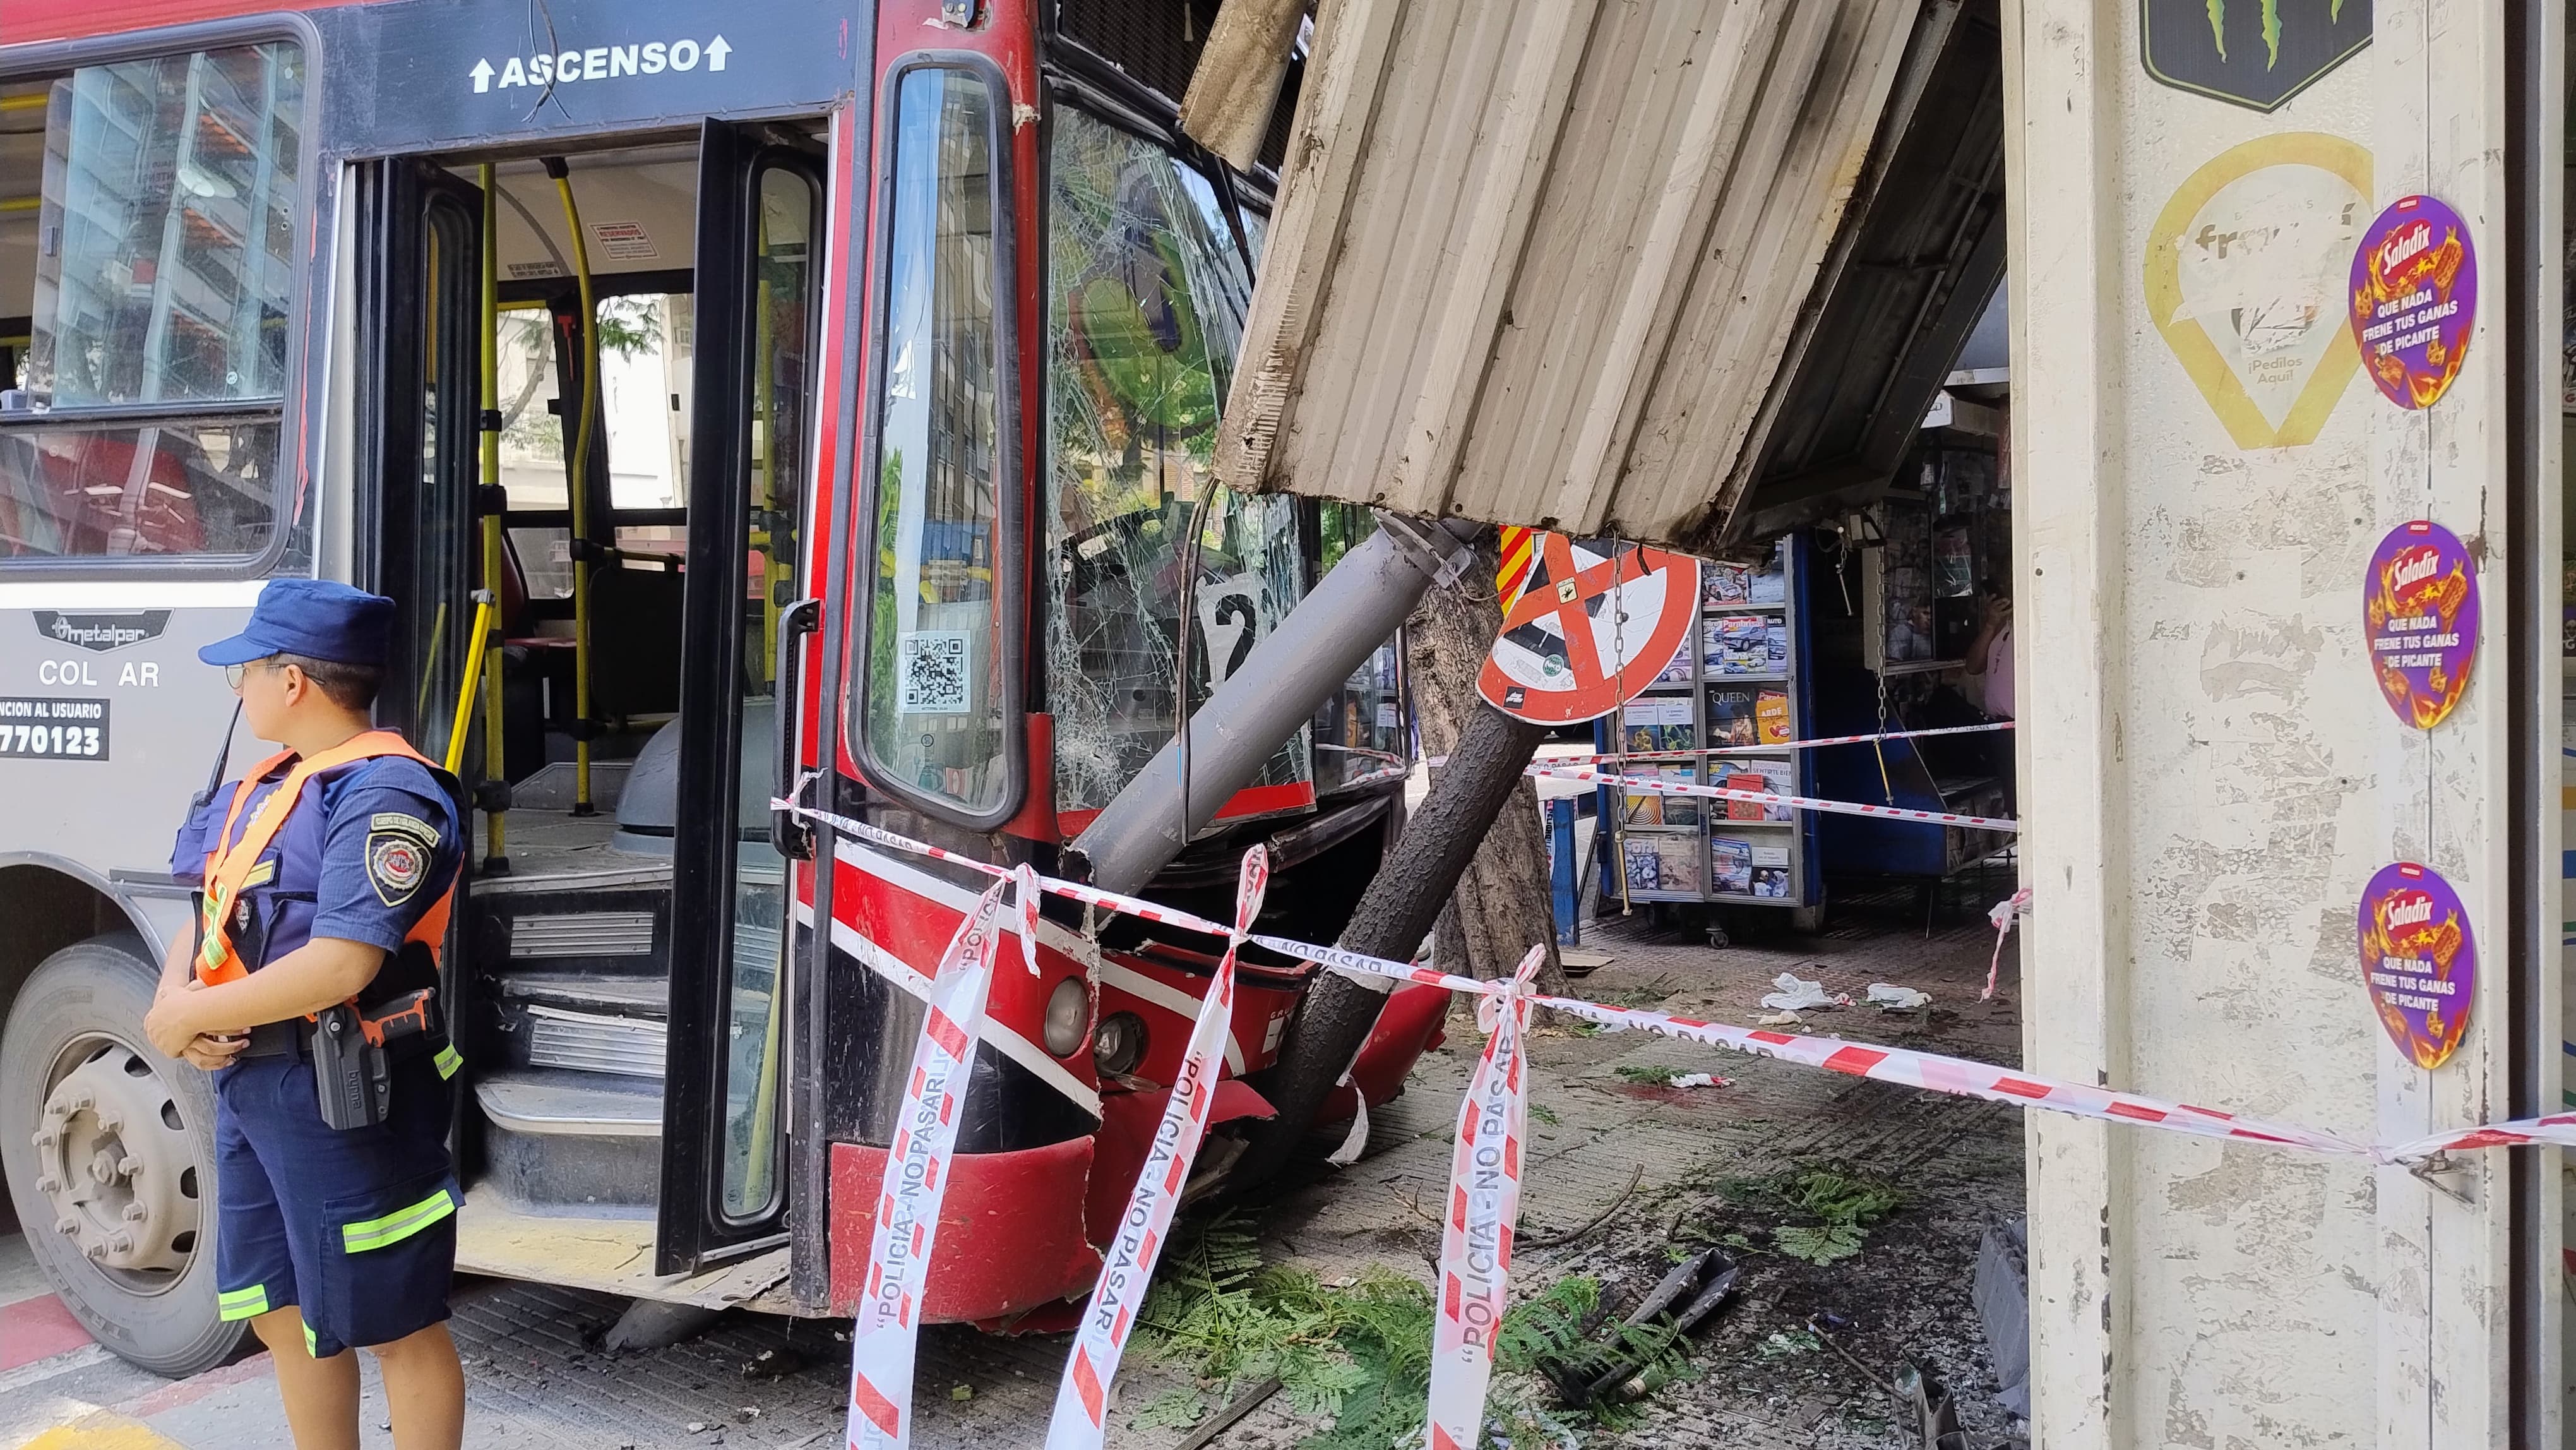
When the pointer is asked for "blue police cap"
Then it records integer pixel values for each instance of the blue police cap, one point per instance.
(317, 618)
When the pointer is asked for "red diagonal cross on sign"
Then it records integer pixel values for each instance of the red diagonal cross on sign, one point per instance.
(1656, 597)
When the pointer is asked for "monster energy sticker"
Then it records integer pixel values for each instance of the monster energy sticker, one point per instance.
(2253, 53)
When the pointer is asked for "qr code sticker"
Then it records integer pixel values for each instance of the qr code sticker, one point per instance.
(930, 672)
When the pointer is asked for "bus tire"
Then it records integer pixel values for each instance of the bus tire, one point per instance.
(119, 1208)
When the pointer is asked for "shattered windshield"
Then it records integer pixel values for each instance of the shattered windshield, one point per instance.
(1146, 293)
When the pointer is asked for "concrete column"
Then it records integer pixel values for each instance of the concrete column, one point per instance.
(2211, 776)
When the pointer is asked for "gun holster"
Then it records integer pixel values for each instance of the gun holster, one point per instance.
(352, 1075)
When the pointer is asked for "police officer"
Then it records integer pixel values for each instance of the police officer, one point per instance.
(326, 875)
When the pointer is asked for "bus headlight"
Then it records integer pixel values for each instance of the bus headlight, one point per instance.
(1068, 1017)
(1120, 1043)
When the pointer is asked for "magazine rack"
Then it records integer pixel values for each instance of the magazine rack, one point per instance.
(1738, 680)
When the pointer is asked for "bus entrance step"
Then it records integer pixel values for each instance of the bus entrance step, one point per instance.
(638, 996)
(571, 1141)
(592, 1022)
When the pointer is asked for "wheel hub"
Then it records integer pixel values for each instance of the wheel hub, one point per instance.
(114, 1161)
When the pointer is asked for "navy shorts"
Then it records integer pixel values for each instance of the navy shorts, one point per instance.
(356, 1228)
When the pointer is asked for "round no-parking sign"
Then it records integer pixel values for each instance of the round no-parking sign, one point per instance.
(1593, 626)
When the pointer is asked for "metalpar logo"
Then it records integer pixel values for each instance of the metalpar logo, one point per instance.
(101, 632)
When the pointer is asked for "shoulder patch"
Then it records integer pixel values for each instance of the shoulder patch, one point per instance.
(397, 862)
(409, 825)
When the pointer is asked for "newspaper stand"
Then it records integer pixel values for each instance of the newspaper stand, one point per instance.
(1739, 681)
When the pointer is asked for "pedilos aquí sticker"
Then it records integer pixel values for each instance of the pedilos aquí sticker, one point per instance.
(2414, 299)
(2419, 960)
(2420, 606)
(2244, 275)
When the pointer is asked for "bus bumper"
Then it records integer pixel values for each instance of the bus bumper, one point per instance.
(1010, 1230)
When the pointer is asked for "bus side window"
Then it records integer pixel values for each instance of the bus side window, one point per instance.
(156, 272)
(937, 697)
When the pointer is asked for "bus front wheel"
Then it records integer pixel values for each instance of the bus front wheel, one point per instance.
(108, 1148)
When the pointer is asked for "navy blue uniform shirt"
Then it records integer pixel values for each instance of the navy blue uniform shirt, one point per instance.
(364, 855)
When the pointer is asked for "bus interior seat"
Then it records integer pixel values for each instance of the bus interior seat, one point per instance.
(634, 641)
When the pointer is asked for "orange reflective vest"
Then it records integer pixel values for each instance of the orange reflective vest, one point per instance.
(227, 868)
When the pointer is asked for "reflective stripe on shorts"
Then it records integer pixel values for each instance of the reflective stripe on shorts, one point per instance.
(312, 1348)
(393, 1228)
(449, 1060)
(242, 1303)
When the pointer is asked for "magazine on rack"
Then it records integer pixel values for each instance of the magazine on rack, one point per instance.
(1730, 866)
(1662, 862)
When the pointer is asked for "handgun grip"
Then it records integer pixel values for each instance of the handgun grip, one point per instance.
(402, 1017)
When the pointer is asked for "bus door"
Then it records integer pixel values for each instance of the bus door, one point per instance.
(758, 282)
(419, 336)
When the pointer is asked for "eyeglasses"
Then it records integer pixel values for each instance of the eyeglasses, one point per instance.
(235, 674)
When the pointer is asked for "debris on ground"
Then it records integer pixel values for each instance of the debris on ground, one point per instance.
(1896, 998)
(1359, 1354)
(1356, 1353)
(1787, 1343)
(1225, 1419)
(1646, 1349)
(1929, 1405)
(1780, 1019)
(1550, 1241)
(2001, 1290)
(1796, 994)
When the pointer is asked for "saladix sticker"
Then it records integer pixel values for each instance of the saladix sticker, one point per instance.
(2419, 960)
(2420, 608)
(2414, 299)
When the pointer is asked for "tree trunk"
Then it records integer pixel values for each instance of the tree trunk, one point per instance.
(1504, 903)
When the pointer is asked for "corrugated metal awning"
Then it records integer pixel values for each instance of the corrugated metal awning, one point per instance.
(1685, 271)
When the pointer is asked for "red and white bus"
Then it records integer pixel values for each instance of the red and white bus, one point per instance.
(824, 393)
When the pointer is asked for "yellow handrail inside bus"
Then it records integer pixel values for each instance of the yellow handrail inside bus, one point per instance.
(496, 858)
(459, 722)
(581, 490)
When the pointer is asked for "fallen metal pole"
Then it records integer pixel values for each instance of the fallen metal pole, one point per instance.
(1352, 610)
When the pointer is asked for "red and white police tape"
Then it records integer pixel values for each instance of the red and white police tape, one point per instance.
(1656, 785)
(1773, 748)
(1484, 1203)
(1081, 1419)
(1484, 1195)
(2003, 915)
(888, 1326)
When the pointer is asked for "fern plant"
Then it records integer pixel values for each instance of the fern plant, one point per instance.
(1842, 1206)
(1359, 1353)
